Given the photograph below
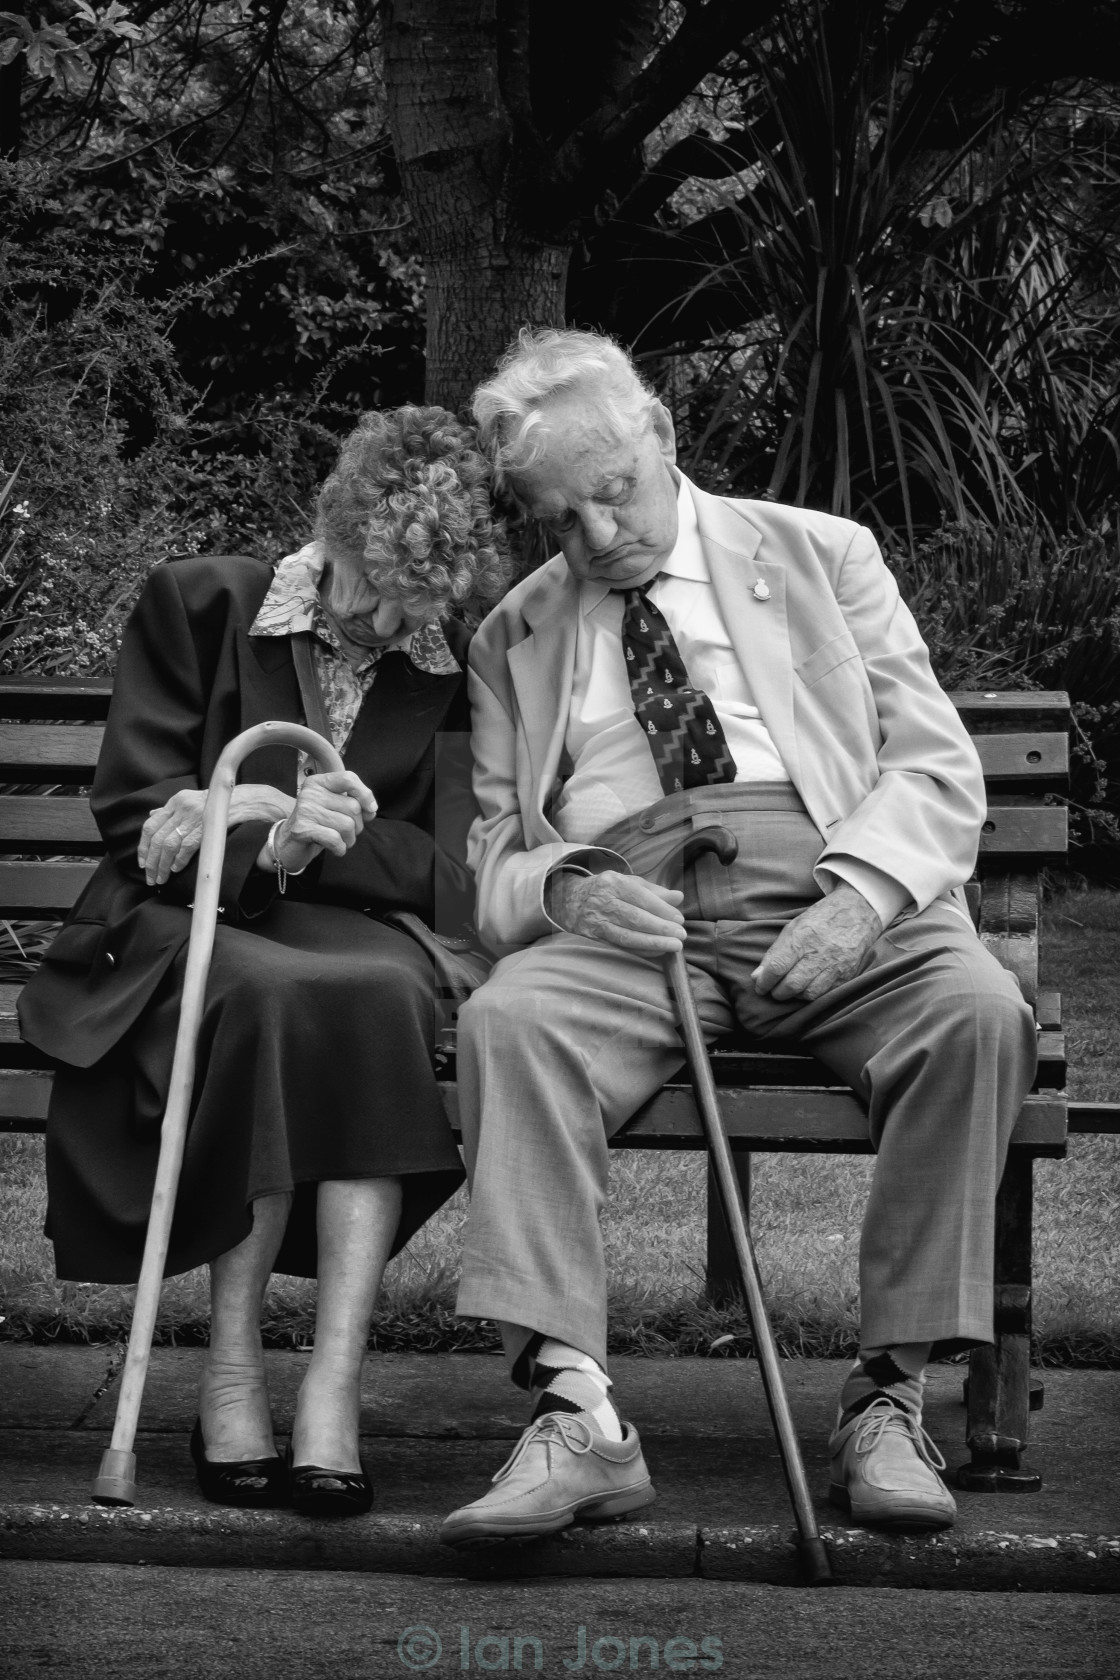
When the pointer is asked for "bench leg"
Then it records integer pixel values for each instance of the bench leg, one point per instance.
(721, 1273)
(998, 1392)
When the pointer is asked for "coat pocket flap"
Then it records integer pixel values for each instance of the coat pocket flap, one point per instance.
(826, 658)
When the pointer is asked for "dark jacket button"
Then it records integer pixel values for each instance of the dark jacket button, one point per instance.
(110, 959)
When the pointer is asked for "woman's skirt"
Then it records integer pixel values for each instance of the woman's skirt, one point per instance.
(315, 1061)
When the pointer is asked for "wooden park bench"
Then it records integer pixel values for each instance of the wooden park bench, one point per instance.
(50, 734)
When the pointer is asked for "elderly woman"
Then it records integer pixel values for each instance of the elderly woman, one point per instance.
(318, 1142)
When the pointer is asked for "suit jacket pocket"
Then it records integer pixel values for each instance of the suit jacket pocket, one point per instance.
(826, 658)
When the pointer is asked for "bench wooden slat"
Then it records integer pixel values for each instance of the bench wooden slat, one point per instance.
(56, 697)
(28, 822)
(24, 1094)
(1024, 760)
(88, 697)
(49, 752)
(1048, 1011)
(41, 889)
(733, 1066)
(828, 1121)
(31, 823)
(769, 1120)
(1024, 835)
(985, 711)
(1095, 1117)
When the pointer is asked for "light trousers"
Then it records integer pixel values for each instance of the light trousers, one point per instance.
(568, 1038)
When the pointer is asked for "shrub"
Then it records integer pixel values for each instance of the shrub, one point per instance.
(1005, 607)
(113, 469)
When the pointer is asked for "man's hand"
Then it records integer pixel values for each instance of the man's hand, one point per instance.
(820, 948)
(172, 833)
(622, 910)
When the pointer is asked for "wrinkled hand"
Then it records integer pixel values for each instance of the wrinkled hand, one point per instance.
(173, 832)
(820, 948)
(623, 910)
(329, 814)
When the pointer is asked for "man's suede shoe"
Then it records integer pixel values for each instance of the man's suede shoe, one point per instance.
(559, 1472)
(884, 1470)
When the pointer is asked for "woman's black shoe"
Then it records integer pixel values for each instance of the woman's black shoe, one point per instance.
(316, 1492)
(250, 1481)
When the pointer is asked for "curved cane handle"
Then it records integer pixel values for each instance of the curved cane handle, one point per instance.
(721, 841)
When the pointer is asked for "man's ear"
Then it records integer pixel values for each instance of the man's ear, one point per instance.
(664, 431)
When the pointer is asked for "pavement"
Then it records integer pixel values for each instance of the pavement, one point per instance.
(436, 1427)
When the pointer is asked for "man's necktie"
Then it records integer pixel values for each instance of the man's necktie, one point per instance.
(684, 734)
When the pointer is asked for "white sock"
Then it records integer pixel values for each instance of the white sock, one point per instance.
(896, 1372)
(564, 1380)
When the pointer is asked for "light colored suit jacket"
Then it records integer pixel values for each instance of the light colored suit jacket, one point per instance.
(837, 669)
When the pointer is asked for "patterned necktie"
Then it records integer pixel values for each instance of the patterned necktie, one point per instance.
(685, 736)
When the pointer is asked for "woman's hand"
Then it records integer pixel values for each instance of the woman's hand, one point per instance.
(173, 832)
(330, 813)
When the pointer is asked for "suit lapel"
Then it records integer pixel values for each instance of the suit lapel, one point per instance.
(269, 691)
(758, 627)
(542, 667)
(398, 722)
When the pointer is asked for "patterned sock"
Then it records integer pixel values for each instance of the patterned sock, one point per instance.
(564, 1380)
(894, 1372)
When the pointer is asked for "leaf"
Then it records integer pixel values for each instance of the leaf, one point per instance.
(11, 22)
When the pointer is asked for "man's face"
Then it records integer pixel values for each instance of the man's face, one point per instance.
(611, 506)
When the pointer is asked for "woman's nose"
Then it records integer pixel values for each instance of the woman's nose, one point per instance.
(387, 618)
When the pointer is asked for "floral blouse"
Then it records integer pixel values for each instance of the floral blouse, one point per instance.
(292, 607)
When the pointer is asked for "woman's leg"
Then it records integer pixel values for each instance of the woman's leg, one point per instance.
(233, 1397)
(356, 1221)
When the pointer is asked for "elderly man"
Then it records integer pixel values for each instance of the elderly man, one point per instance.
(689, 660)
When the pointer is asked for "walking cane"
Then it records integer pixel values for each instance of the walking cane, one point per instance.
(115, 1483)
(814, 1553)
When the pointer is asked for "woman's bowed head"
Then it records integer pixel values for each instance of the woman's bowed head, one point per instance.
(404, 536)
(318, 1142)
(406, 527)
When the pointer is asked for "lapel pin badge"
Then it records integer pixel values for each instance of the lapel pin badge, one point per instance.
(761, 591)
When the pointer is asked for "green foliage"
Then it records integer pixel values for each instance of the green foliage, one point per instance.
(932, 326)
(1007, 607)
(114, 466)
(245, 166)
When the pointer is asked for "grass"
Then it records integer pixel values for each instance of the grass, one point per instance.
(806, 1211)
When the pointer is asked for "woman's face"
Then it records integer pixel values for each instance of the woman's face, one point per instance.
(362, 613)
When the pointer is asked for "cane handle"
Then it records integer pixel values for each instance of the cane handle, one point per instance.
(721, 841)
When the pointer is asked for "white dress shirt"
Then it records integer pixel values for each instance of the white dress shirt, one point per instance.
(613, 772)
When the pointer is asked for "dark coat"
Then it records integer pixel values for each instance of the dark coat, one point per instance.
(189, 679)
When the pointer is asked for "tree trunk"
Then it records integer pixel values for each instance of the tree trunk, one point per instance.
(463, 160)
(476, 301)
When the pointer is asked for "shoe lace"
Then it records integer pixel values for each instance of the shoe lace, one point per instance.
(883, 1416)
(563, 1427)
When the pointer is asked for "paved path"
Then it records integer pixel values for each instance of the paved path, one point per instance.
(435, 1428)
(115, 1622)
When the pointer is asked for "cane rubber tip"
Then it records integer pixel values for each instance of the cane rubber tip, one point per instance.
(115, 1482)
(816, 1563)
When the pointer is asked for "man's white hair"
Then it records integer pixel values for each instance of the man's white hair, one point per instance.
(547, 362)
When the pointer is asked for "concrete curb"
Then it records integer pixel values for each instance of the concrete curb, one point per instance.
(988, 1561)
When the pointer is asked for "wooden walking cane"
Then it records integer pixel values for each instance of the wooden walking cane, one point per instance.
(814, 1553)
(115, 1483)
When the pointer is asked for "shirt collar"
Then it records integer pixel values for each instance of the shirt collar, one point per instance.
(686, 559)
(292, 607)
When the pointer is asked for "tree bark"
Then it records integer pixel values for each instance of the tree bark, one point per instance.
(460, 153)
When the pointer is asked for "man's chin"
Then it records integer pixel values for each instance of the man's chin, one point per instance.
(629, 571)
